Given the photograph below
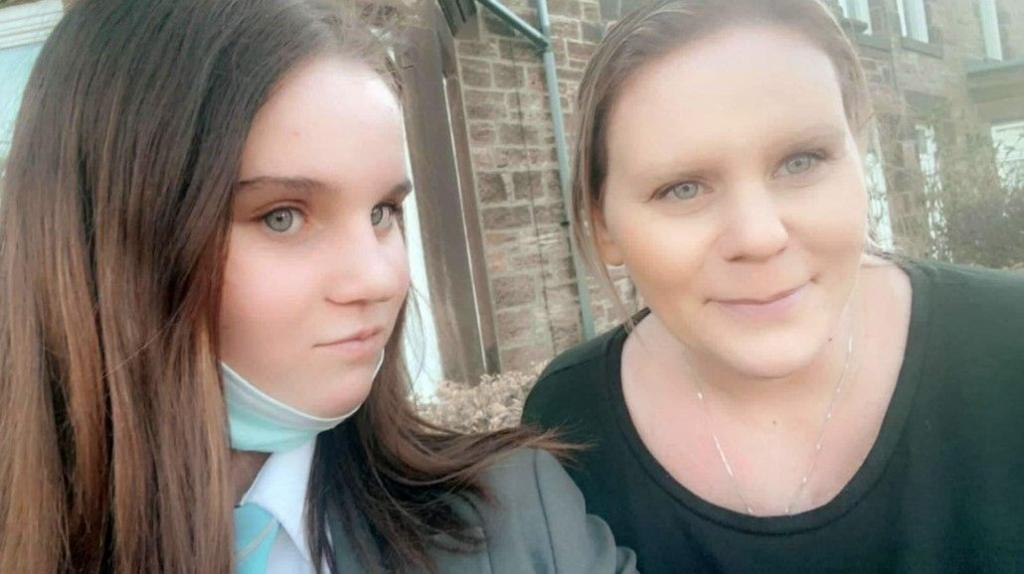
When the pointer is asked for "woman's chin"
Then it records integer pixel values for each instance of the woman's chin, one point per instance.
(773, 358)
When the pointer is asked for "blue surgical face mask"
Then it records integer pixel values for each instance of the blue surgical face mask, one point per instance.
(259, 422)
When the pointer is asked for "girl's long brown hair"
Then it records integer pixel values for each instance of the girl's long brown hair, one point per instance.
(114, 221)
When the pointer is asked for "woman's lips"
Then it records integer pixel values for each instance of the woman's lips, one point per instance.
(771, 307)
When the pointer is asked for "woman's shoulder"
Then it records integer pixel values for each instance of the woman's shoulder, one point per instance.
(587, 355)
(567, 383)
(1001, 283)
(966, 327)
(977, 298)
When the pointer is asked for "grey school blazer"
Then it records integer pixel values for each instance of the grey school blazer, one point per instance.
(538, 524)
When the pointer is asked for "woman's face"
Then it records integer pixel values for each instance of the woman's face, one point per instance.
(735, 197)
(316, 271)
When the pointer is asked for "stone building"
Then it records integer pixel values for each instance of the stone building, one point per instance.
(943, 74)
(496, 274)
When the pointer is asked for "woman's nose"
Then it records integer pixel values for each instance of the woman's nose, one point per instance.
(754, 229)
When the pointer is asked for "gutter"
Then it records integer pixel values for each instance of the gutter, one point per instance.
(541, 39)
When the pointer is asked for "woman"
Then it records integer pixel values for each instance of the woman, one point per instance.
(786, 402)
(204, 279)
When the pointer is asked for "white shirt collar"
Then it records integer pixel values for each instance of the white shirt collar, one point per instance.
(280, 487)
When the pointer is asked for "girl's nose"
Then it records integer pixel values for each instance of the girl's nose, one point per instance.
(365, 268)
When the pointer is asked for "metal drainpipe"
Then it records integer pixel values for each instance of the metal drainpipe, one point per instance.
(541, 39)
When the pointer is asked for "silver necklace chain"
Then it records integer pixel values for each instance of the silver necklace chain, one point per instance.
(817, 446)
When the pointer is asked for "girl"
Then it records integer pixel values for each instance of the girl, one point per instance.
(785, 402)
(204, 280)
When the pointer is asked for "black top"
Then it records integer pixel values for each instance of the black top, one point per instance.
(942, 489)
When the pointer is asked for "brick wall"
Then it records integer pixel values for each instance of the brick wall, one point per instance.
(525, 236)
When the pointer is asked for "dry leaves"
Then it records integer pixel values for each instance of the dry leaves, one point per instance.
(495, 402)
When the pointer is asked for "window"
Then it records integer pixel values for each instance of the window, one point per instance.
(989, 17)
(857, 10)
(878, 199)
(15, 65)
(22, 31)
(1008, 140)
(913, 19)
(928, 160)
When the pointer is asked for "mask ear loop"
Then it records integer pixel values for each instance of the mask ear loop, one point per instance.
(380, 363)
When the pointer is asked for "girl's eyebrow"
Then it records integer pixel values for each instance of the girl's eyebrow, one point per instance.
(305, 184)
(400, 191)
(287, 182)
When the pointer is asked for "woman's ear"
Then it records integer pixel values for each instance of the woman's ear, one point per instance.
(607, 249)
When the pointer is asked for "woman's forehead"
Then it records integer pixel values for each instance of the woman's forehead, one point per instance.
(745, 84)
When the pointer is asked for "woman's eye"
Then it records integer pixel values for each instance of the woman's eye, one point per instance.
(685, 190)
(799, 163)
(383, 215)
(284, 220)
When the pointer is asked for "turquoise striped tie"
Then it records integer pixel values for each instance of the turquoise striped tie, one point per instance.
(255, 531)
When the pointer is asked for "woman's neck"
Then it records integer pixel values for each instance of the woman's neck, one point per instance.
(245, 465)
(688, 370)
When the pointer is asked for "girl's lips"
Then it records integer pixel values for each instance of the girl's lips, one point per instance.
(770, 307)
(364, 345)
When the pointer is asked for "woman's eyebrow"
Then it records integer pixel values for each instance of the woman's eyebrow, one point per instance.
(818, 135)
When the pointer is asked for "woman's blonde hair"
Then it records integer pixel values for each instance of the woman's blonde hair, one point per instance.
(665, 26)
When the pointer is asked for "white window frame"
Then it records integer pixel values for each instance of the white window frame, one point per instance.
(28, 23)
(913, 19)
(22, 25)
(878, 194)
(858, 10)
(1008, 140)
(928, 161)
(988, 14)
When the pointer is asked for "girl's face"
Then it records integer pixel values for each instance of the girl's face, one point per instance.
(735, 197)
(316, 271)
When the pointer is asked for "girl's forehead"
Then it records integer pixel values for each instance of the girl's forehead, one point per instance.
(330, 121)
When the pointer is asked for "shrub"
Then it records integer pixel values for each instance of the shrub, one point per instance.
(983, 210)
(494, 403)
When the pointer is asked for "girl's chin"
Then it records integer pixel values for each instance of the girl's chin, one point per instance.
(329, 409)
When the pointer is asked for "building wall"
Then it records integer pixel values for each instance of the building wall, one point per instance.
(523, 220)
(913, 83)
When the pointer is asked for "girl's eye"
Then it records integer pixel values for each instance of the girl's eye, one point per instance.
(284, 220)
(682, 191)
(799, 163)
(384, 214)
